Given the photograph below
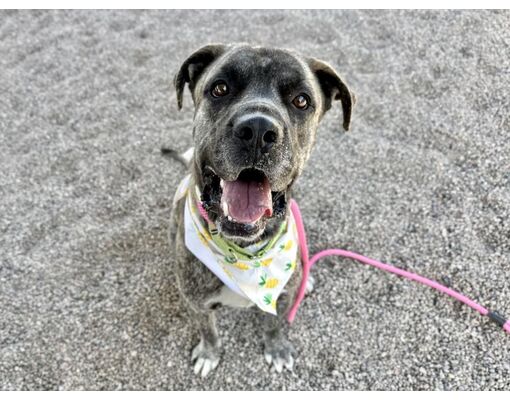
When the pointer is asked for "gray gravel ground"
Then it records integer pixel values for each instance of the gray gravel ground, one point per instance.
(423, 181)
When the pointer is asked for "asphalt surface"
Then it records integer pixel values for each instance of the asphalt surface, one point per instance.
(87, 300)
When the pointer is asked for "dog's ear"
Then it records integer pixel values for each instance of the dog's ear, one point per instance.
(333, 88)
(193, 67)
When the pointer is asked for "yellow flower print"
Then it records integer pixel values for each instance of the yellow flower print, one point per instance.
(241, 266)
(268, 283)
(229, 274)
(267, 262)
(206, 235)
(286, 246)
(203, 238)
(271, 283)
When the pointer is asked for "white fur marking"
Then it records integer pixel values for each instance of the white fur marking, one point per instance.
(188, 155)
(229, 298)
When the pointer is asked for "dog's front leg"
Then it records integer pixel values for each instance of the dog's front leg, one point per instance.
(278, 350)
(195, 292)
(206, 354)
(196, 284)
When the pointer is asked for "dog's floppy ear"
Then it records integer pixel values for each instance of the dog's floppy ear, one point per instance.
(333, 88)
(193, 67)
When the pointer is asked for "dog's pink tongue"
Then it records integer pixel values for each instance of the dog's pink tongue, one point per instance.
(247, 201)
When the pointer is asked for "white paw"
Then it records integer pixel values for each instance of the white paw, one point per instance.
(310, 285)
(280, 354)
(206, 359)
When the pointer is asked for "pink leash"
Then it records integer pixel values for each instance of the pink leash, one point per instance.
(307, 264)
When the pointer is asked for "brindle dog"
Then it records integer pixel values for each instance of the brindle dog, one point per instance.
(257, 110)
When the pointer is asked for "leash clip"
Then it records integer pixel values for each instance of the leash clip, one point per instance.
(497, 318)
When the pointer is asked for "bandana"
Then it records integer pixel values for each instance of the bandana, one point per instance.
(258, 272)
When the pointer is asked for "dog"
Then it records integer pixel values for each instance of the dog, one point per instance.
(257, 110)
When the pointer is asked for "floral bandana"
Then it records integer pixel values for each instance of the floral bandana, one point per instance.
(258, 272)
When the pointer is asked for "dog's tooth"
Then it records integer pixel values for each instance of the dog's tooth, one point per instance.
(222, 183)
(224, 207)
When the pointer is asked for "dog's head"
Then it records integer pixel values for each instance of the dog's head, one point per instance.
(256, 114)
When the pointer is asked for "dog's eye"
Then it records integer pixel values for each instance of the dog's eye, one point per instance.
(220, 89)
(301, 102)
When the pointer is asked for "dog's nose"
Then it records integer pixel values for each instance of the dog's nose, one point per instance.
(258, 131)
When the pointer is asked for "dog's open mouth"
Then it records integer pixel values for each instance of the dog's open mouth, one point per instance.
(243, 205)
(248, 198)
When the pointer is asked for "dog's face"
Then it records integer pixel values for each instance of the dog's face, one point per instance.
(256, 114)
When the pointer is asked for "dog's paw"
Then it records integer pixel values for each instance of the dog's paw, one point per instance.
(310, 285)
(281, 354)
(206, 358)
